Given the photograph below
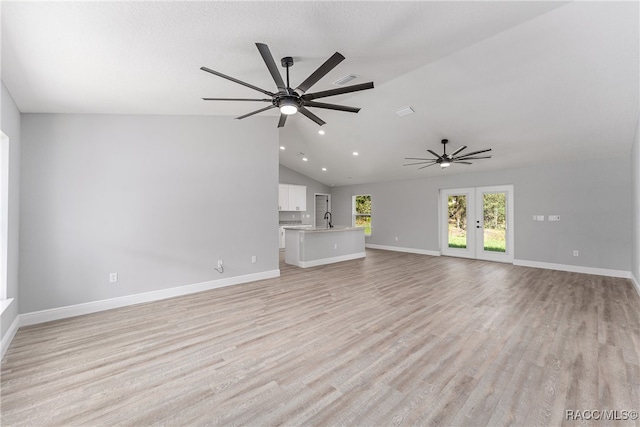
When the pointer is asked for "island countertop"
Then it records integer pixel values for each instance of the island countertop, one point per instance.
(324, 229)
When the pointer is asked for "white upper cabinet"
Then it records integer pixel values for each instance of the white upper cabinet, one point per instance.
(292, 197)
(297, 198)
(283, 197)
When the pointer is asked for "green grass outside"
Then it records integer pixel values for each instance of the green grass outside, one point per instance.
(494, 242)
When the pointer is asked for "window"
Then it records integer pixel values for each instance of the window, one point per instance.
(362, 212)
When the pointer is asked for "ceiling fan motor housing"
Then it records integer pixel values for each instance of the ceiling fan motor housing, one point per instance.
(287, 61)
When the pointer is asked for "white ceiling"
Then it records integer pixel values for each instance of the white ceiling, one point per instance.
(534, 81)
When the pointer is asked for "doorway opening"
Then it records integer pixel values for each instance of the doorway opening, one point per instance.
(477, 222)
(322, 203)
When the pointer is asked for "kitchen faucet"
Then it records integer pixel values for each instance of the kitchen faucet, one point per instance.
(327, 216)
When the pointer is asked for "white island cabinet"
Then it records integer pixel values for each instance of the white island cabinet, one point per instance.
(317, 246)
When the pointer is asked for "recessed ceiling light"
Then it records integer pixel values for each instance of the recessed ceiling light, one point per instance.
(304, 159)
(321, 132)
(282, 147)
(324, 169)
(355, 153)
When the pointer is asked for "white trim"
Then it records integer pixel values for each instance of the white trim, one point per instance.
(323, 261)
(400, 249)
(95, 306)
(8, 337)
(4, 304)
(573, 268)
(635, 283)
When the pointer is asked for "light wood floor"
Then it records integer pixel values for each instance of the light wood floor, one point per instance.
(393, 339)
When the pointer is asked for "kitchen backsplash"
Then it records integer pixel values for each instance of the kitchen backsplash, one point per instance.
(291, 217)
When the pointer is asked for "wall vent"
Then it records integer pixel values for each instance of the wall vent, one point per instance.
(405, 111)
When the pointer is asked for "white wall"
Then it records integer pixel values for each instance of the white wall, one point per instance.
(157, 199)
(635, 200)
(10, 125)
(593, 199)
(289, 176)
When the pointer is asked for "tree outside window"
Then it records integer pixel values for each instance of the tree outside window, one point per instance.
(362, 212)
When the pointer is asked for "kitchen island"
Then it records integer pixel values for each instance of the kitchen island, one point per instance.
(317, 246)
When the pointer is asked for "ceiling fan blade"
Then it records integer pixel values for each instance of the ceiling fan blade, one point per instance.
(331, 106)
(256, 112)
(458, 150)
(418, 158)
(312, 116)
(237, 99)
(419, 163)
(240, 82)
(472, 158)
(338, 91)
(329, 65)
(271, 65)
(464, 163)
(437, 155)
(428, 165)
(283, 119)
(475, 152)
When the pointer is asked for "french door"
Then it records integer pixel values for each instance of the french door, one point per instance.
(477, 222)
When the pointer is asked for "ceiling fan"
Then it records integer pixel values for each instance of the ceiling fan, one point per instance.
(445, 159)
(288, 100)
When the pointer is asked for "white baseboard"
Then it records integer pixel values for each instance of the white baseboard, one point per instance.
(8, 337)
(636, 284)
(323, 261)
(573, 268)
(400, 249)
(95, 306)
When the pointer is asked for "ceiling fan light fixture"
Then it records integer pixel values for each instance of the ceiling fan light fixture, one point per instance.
(445, 164)
(288, 106)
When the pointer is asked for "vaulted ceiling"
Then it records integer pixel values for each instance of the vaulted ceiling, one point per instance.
(537, 82)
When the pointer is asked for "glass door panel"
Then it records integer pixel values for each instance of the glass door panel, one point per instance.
(456, 214)
(457, 222)
(494, 208)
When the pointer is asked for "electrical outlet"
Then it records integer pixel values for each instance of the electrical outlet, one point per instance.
(254, 259)
(576, 253)
(335, 246)
(219, 263)
(396, 238)
(113, 277)
(554, 217)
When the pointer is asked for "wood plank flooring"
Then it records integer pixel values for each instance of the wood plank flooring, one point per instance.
(390, 340)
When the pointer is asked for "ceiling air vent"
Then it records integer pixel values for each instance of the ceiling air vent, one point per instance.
(346, 79)
(405, 111)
